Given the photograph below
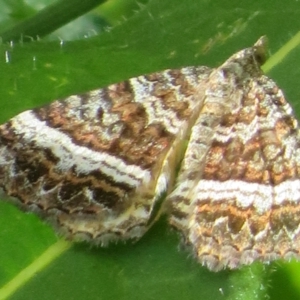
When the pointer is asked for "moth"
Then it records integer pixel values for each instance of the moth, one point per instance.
(96, 164)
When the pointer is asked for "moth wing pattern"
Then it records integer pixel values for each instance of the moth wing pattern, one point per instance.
(238, 191)
(95, 164)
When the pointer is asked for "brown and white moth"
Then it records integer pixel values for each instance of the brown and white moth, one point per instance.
(95, 164)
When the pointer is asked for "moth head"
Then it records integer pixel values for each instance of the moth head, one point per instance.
(247, 62)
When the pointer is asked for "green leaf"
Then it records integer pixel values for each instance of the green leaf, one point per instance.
(162, 34)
